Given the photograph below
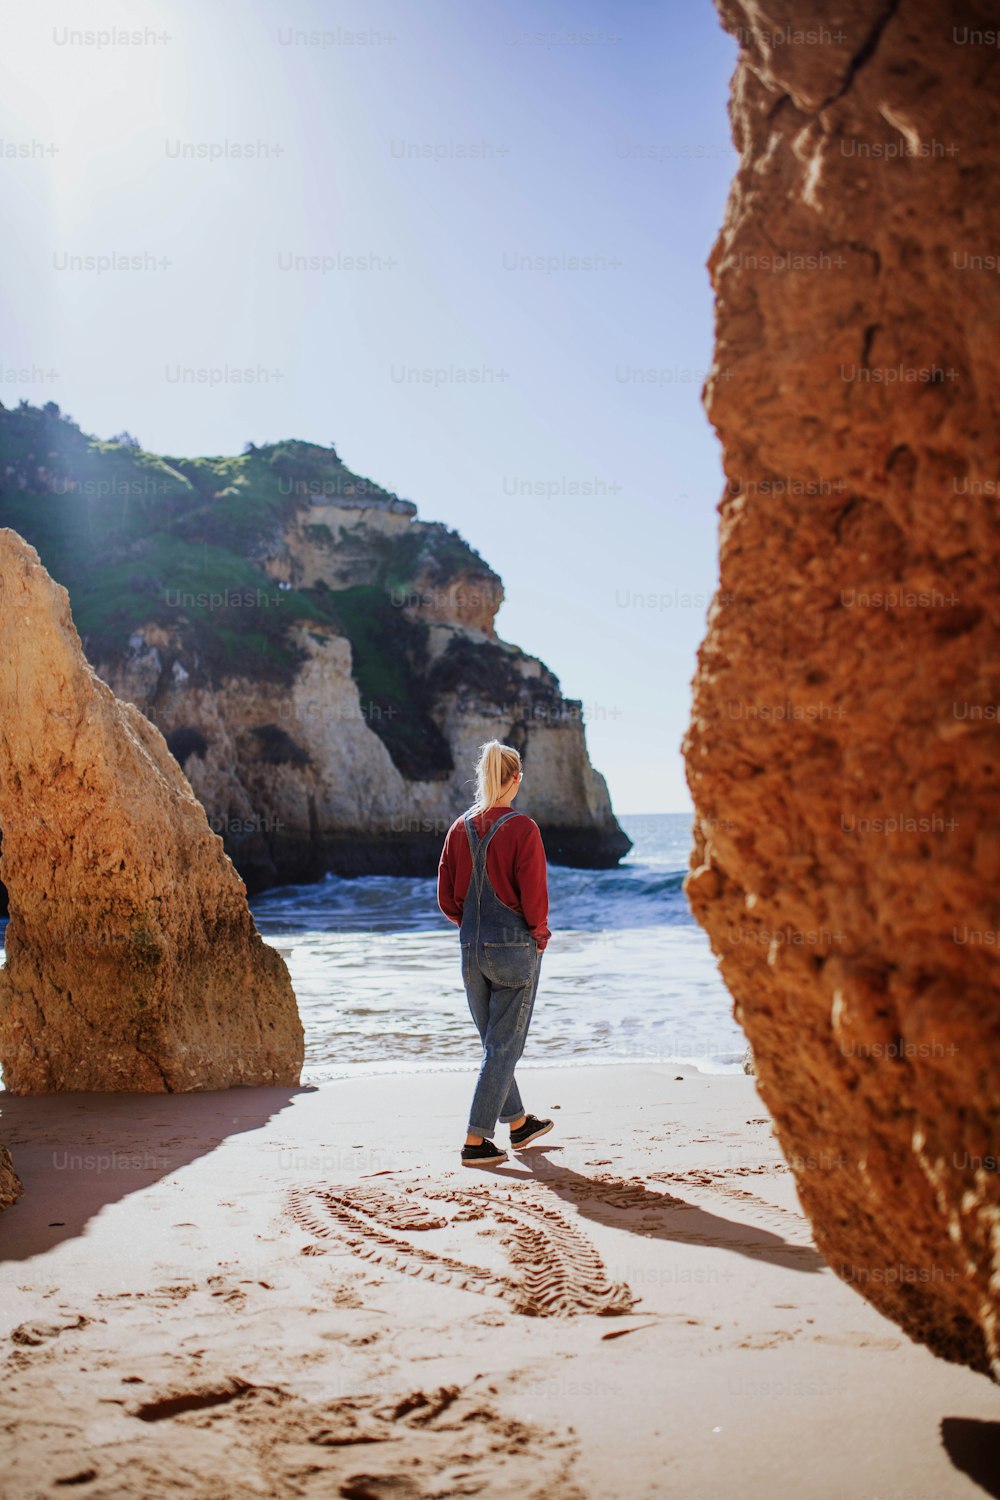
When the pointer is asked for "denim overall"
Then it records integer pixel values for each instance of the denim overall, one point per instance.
(500, 964)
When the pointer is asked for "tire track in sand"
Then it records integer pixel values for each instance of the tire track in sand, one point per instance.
(795, 1227)
(556, 1271)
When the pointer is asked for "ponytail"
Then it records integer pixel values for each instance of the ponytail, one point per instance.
(496, 765)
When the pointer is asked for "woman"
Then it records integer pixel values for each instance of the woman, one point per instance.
(492, 884)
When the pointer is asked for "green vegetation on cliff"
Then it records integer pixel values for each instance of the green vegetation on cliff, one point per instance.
(139, 540)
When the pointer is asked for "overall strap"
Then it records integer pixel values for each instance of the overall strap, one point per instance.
(478, 847)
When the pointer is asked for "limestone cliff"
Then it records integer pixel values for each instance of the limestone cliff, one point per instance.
(843, 751)
(322, 663)
(132, 958)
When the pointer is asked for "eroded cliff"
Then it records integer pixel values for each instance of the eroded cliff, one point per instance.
(322, 663)
(843, 752)
(132, 959)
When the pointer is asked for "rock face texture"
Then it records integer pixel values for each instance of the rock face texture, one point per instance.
(10, 1183)
(344, 765)
(322, 663)
(132, 958)
(843, 752)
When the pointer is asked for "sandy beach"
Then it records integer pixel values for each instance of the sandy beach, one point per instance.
(281, 1293)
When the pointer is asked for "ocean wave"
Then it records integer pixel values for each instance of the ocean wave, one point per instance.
(627, 978)
(632, 895)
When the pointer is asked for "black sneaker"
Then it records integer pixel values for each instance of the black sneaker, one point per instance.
(529, 1131)
(483, 1155)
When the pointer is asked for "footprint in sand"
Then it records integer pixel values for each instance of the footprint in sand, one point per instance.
(30, 1335)
(445, 1441)
(555, 1271)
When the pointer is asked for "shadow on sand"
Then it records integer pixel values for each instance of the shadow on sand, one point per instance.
(76, 1153)
(974, 1448)
(644, 1211)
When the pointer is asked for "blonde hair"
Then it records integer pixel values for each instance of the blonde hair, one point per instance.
(496, 765)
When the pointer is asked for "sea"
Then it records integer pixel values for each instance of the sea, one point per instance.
(627, 976)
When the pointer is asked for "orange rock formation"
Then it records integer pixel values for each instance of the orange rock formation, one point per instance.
(843, 752)
(133, 962)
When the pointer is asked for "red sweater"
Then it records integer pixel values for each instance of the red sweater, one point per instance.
(515, 864)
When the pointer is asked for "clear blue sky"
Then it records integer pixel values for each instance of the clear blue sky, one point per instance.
(477, 152)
